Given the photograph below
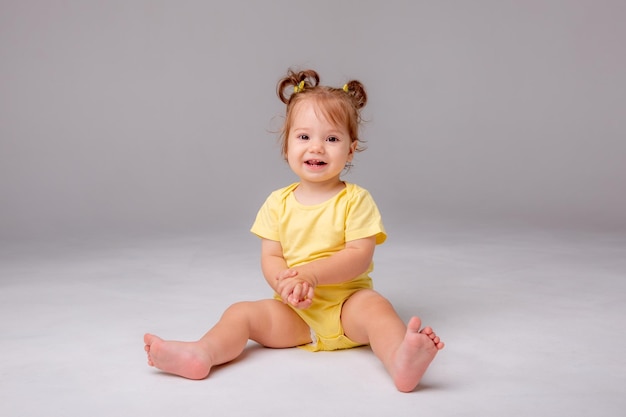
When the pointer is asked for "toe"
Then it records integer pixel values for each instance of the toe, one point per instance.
(414, 324)
(427, 331)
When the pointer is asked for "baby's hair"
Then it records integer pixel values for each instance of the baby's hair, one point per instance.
(340, 106)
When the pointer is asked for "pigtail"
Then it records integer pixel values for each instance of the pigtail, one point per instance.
(295, 82)
(356, 90)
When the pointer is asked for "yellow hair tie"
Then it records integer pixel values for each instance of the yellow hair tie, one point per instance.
(345, 88)
(299, 87)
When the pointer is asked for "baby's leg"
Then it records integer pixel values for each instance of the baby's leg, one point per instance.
(268, 322)
(406, 352)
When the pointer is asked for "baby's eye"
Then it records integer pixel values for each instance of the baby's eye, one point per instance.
(333, 139)
(303, 137)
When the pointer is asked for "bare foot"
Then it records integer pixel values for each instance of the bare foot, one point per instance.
(415, 353)
(186, 359)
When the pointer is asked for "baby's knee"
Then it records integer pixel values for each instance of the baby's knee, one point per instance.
(241, 309)
(237, 311)
(251, 309)
(368, 299)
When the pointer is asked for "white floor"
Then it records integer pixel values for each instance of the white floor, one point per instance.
(533, 321)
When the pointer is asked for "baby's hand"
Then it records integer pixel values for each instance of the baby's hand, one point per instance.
(287, 273)
(301, 296)
(295, 291)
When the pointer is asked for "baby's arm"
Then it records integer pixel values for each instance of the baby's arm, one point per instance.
(273, 263)
(296, 285)
(284, 281)
(343, 266)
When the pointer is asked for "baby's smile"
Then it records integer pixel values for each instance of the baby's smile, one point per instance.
(315, 162)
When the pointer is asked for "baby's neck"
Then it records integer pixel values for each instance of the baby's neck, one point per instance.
(312, 194)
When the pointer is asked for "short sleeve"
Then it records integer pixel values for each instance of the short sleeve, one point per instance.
(266, 222)
(363, 218)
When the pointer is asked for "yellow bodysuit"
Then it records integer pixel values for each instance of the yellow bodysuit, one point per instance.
(307, 233)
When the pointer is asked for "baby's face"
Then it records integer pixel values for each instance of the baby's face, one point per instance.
(317, 150)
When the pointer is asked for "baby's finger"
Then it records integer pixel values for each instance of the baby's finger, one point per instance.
(296, 294)
(285, 294)
(287, 273)
(303, 289)
(304, 304)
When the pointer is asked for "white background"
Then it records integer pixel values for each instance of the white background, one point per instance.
(144, 117)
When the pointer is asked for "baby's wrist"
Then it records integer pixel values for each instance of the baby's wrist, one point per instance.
(307, 274)
(311, 278)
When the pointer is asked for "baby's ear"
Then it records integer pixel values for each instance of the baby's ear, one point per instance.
(353, 146)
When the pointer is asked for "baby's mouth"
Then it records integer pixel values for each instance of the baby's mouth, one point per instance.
(315, 162)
